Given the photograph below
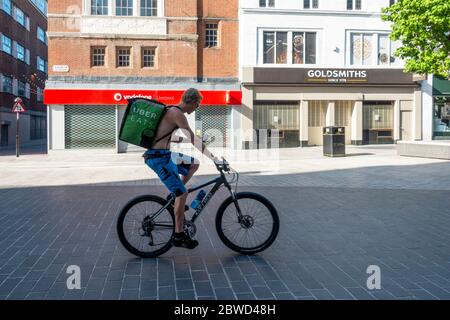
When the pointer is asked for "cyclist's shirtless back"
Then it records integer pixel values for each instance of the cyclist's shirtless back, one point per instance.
(166, 128)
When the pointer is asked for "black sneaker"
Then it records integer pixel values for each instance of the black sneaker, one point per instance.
(184, 241)
(186, 208)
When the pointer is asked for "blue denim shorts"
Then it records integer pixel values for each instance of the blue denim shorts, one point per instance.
(168, 166)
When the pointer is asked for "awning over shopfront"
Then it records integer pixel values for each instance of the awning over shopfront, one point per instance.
(118, 97)
(441, 86)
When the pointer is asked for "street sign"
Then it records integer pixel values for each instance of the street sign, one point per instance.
(18, 106)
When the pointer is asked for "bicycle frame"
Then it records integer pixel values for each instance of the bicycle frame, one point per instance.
(217, 184)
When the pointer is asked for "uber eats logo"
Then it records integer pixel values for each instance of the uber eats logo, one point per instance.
(142, 116)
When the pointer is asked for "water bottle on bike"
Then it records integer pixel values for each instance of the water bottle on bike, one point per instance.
(198, 199)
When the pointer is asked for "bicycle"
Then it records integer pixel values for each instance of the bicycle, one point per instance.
(155, 224)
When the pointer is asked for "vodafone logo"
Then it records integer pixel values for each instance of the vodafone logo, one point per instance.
(118, 97)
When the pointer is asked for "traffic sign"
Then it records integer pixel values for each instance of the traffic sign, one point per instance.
(18, 106)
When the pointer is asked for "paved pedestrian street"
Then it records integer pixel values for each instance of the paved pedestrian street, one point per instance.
(328, 238)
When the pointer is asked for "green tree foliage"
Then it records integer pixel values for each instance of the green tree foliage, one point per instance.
(423, 27)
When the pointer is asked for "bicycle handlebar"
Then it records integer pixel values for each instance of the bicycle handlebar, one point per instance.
(223, 166)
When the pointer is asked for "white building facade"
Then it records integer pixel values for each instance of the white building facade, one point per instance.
(314, 63)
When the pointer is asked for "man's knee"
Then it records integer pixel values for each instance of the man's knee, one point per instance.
(182, 195)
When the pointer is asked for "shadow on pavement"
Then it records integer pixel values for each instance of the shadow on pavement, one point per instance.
(329, 235)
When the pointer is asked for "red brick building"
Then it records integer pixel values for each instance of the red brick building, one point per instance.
(23, 69)
(102, 51)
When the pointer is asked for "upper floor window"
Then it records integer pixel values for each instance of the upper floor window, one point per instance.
(289, 47)
(148, 57)
(7, 84)
(20, 52)
(41, 64)
(354, 4)
(307, 4)
(124, 7)
(21, 88)
(21, 17)
(41, 5)
(303, 47)
(39, 94)
(211, 35)
(41, 35)
(373, 49)
(7, 6)
(6, 44)
(98, 56)
(392, 2)
(267, 3)
(149, 8)
(99, 7)
(123, 57)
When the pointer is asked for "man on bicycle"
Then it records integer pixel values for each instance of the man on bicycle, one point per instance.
(170, 165)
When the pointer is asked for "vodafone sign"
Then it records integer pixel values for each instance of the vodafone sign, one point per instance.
(119, 97)
(112, 97)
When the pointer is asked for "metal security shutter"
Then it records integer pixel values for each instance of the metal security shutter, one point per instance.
(214, 121)
(90, 127)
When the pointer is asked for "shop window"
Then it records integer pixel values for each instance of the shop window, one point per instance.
(317, 111)
(441, 118)
(378, 122)
(38, 127)
(343, 113)
(149, 8)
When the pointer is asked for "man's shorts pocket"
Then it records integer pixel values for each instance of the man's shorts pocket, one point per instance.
(164, 173)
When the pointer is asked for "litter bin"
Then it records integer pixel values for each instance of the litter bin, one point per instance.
(334, 141)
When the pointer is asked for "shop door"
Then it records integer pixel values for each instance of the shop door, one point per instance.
(4, 135)
(89, 127)
(406, 126)
(378, 123)
(214, 121)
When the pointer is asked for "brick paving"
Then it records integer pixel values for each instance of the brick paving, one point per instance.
(328, 237)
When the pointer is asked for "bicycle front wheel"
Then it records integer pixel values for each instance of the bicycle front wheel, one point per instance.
(252, 231)
(141, 231)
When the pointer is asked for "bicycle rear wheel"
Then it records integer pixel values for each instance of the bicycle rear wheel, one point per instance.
(141, 232)
(257, 228)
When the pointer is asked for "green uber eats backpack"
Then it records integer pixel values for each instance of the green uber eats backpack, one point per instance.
(140, 122)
